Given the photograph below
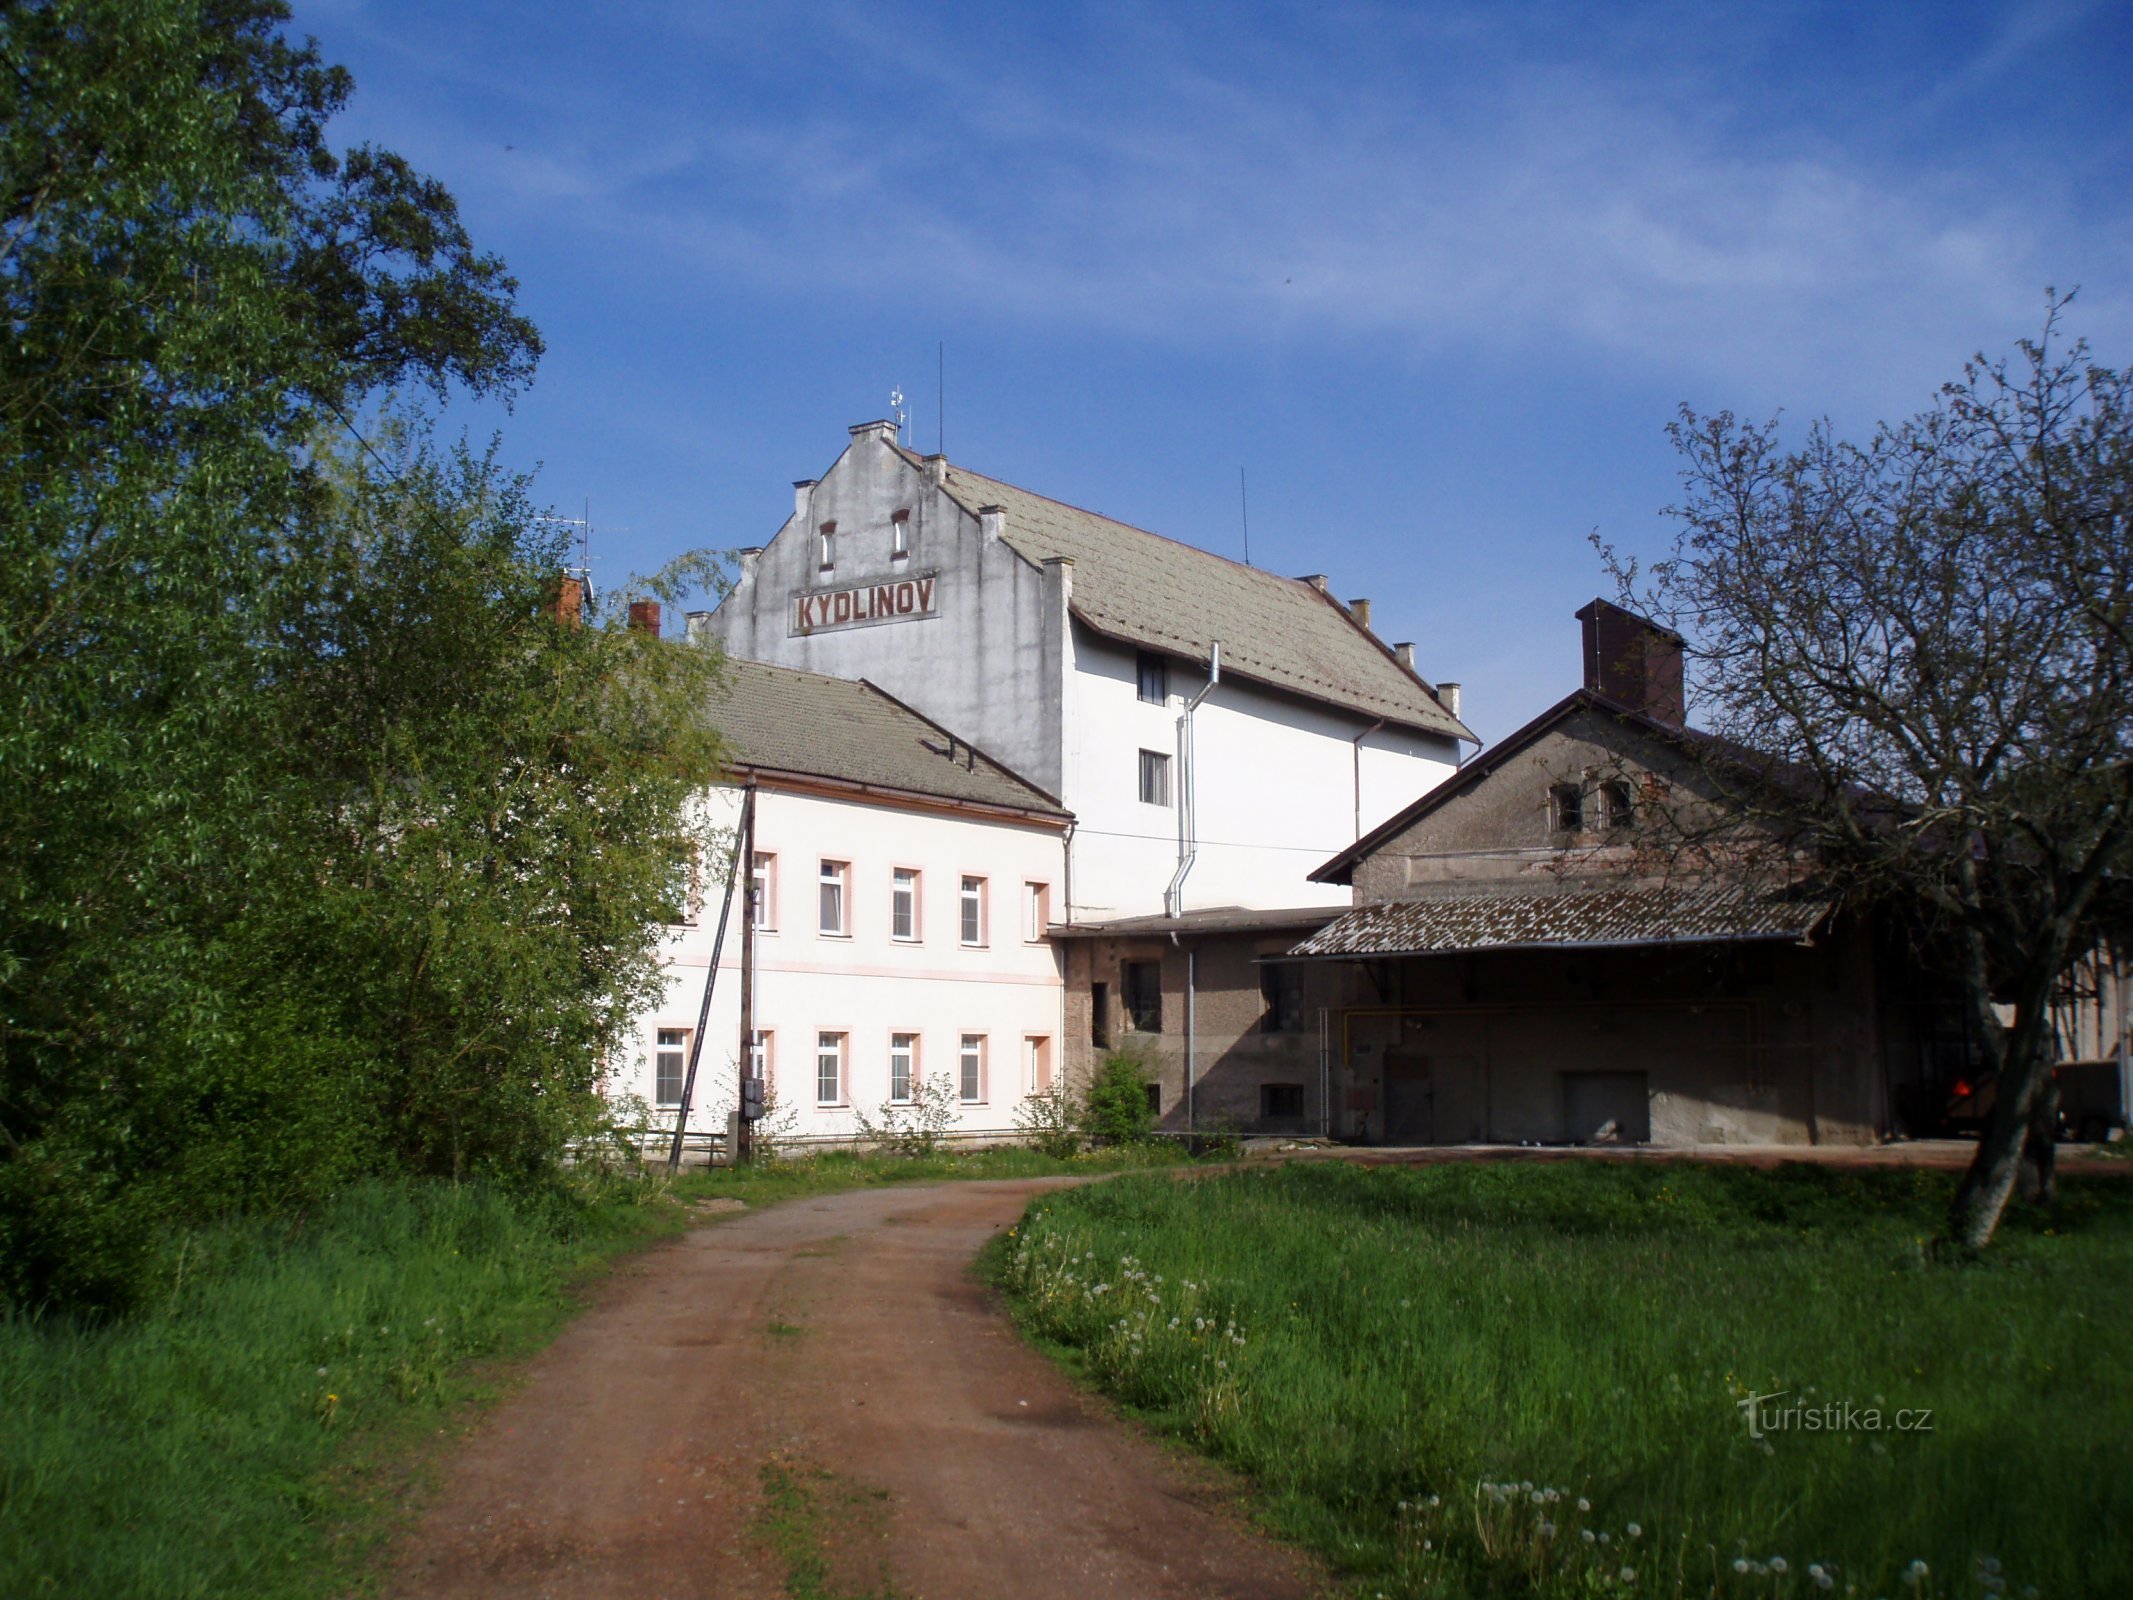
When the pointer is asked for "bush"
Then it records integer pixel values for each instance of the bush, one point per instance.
(1050, 1124)
(913, 1127)
(1114, 1108)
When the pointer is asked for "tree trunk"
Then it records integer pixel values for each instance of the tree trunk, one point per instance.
(2038, 1181)
(1982, 1195)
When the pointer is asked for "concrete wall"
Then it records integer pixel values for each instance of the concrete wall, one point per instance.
(869, 984)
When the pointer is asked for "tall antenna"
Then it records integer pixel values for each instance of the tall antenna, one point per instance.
(1244, 509)
(940, 398)
(899, 411)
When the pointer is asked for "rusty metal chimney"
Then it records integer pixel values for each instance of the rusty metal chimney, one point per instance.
(1634, 662)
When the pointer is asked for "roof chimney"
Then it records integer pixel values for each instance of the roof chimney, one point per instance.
(569, 605)
(696, 626)
(1316, 580)
(802, 492)
(1634, 662)
(883, 429)
(936, 469)
(1404, 653)
(991, 519)
(1360, 610)
(644, 616)
(1448, 697)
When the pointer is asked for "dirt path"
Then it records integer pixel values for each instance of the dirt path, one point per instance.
(816, 1399)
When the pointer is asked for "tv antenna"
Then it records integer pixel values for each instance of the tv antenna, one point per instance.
(899, 410)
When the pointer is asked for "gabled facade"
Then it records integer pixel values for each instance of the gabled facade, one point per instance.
(1082, 653)
(904, 886)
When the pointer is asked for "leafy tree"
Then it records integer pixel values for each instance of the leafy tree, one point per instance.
(1917, 657)
(323, 849)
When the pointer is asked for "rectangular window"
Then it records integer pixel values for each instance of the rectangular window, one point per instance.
(834, 876)
(1155, 1100)
(1155, 778)
(1281, 1100)
(826, 547)
(678, 908)
(903, 904)
(1141, 983)
(673, 1065)
(764, 872)
(1567, 803)
(1281, 991)
(973, 910)
(1618, 806)
(971, 1060)
(1036, 911)
(1154, 675)
(1100, 1015)
(1037, 1054)
(759, 1054)
(829, 1068)
(900, 536)
(903, 1065)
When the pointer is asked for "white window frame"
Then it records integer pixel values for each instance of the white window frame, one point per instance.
(970, 912)
(826, 547)
(1036, 911)
(970, 1069)
(1037, 1063)
(1155, 778)
(903, 1050)
(900, 536)
(841, 880)
(904, 904)
(830, 1051)
(764, 870)
(670, 1042)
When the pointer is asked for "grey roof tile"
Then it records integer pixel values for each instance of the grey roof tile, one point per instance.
(1164, 595)
(1565, 918)
(847, 730)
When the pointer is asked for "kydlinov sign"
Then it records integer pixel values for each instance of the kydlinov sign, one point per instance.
(864, 605)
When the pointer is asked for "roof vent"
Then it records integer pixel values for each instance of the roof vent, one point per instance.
(1360, 610)
(1404, 653)
(1316, 580)
(1448, 697)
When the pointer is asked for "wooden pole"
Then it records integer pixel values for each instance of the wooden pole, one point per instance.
(744, 1145)
(703, 1015)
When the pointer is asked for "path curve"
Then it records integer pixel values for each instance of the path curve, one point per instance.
(838, 1347)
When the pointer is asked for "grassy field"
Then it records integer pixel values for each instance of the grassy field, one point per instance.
(253, 1432)
(1528, 1378)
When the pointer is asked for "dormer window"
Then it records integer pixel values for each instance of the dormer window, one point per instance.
(900, 536)
(1153, 671)
(1566, 807)
(826, 547)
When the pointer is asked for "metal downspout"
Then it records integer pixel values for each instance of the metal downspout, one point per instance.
(1188, 807)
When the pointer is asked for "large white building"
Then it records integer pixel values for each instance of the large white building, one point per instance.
(1076, 650)
(904, 883)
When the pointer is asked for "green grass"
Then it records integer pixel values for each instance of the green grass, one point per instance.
(828, 1171)
(249, 1434)
(1359, 1341)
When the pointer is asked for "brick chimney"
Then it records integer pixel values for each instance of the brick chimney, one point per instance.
(644, 615)
(1634, 662)
(569, 606)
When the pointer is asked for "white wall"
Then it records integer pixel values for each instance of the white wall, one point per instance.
(1276, 785)
(867, 985)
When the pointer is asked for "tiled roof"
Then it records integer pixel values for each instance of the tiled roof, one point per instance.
(846, 730)
(1565, 919)
(1216, 919)
(1158, 593)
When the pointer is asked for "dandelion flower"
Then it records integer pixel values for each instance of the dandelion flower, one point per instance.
(1629, 1574)
(322, 1372)
(1584, 1504)
(1777, 1565)
(1587, 1536)
(1634, 1531)
(1740, 1564)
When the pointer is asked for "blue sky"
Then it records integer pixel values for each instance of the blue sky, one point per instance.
(1436, 276)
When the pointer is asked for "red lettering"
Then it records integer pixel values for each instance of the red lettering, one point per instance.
(903, 599)
(925, 594)
(841, 606)
(884, 602)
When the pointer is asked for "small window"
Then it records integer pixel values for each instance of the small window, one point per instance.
(829, 1068)
(1155, 1100)
(1155, 778)
(1037, 1054)
(903, 904)
(973, 929)
(903, 1065)
(1618, 806)
(826, 547)
(1142, 986)
(672, 1064)
(678, 904)
(1566, 802)
(764, 871)
(834, 876)
(971, 1060)
(1154, 676)
(1036, 911)
(1281, 991)
(1281, 1100)
(900, 536)
(1100, 1015)
(759, 1054)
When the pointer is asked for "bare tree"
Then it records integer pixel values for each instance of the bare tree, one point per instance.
(1916, 657)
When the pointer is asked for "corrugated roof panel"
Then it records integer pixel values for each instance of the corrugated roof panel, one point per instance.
(1514, 920)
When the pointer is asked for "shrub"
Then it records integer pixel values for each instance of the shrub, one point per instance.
(1114, 1107)
(913, 1127)
(1050, 1123)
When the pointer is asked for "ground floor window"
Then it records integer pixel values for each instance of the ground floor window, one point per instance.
(672, 1063)
(903, 1064)
(972, 1064)
(1142, 983)
(1277, 1100)
(1039, 1053)
(829, 1068)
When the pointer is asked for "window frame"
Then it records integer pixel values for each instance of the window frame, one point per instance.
(839, 1053)
(1566, 808)
(826, 547)
(971, 912)
(842, 881)
(763, 871)
(1126, 992)
(1151, 670)
(1618, 806)
(1036, 910)
(662, 1046)
(900, 536)
(899, 891)
(1266, 1111)
(906, 1044)
(971, 1053)
(1281, 981)
(1154, 778)
(1037, 1060)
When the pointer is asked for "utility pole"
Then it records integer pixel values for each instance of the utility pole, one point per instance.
(703, 1015)
(744, 1140)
